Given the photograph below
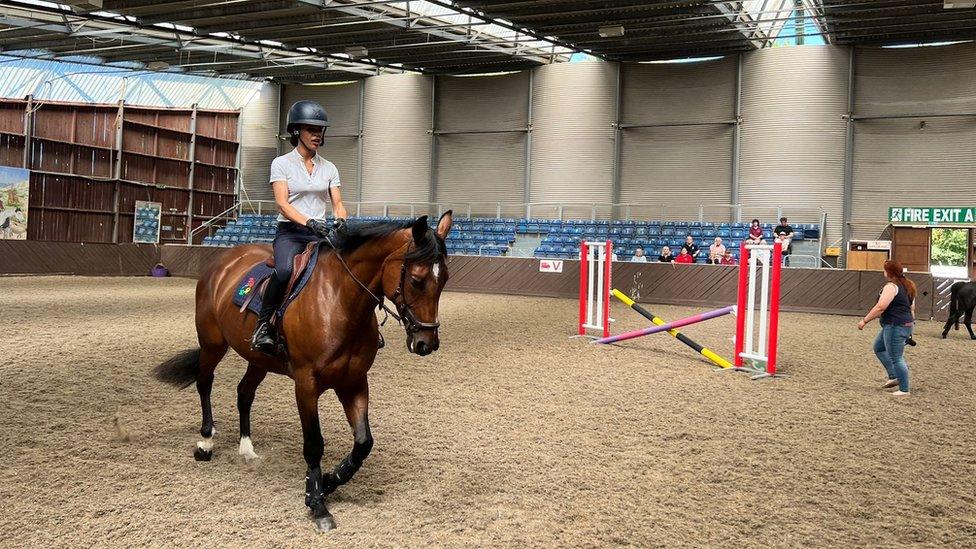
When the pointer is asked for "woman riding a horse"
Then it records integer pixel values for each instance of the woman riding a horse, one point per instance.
(302, 181)
(331, 329)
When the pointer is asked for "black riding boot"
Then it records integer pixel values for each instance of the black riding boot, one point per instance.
(265, 339)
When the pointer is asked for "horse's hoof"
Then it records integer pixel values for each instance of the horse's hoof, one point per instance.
(324, 524)
(943, 336)
(202, 455)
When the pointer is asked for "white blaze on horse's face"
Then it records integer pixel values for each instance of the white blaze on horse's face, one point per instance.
(436, 270)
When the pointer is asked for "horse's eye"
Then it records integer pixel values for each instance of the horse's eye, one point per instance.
(417, 282)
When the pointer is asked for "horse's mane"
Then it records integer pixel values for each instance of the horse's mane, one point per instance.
(359, 233)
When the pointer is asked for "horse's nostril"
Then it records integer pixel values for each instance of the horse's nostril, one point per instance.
(422, 348)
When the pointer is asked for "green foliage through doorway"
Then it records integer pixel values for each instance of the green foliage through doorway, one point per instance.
(949, 247)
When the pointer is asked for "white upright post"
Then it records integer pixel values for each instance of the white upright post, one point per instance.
(601, 252)
(751, 304)
(590, 264)
(763, 300)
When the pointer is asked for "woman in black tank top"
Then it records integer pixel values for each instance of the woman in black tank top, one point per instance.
(896, 309)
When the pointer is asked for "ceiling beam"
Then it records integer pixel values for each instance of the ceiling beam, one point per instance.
(399, 22)
(736, 15)
(57, 20)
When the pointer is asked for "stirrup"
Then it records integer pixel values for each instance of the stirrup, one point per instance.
(268, 346)
(382, 342)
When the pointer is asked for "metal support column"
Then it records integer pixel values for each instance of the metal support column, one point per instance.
(362, 118)
(527, 191)
(239, 185)
(28, 158)
(849, 160)
(432, 192)
(617, 136)
(28, 131)
(119, 122)
(737, 137)
(193, 158)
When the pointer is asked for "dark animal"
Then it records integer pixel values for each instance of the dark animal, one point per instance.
(331, 334)
(963, 301)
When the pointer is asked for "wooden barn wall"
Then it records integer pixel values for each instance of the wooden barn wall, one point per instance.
(26, 257)
(89, 164)
(189, 261)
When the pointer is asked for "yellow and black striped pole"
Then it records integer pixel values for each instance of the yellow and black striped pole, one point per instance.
(674, 333)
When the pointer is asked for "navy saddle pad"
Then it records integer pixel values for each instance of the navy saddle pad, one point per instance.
(251, 284)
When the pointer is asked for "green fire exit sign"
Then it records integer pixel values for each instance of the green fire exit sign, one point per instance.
(932, 216)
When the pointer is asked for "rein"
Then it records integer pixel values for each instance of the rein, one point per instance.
(406, 316)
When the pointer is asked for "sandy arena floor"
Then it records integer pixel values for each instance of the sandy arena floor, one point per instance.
(511, 435)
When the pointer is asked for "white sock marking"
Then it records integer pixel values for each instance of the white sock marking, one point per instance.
(207, 443)
(247, 449)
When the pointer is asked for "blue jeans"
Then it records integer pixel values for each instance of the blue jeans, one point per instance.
(889, 346)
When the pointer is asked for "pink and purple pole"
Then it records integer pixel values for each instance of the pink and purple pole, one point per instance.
(669, 326)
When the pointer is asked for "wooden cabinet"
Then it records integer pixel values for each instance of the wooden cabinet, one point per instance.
(866, 260)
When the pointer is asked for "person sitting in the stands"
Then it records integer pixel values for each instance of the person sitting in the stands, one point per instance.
(666, 255)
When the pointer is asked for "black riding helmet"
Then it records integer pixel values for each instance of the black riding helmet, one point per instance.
(305, 113)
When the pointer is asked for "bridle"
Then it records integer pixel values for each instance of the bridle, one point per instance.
(406, 316)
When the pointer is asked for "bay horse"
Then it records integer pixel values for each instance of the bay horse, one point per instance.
(330, 331)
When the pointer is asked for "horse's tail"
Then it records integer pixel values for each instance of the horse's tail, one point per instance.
(181, 369)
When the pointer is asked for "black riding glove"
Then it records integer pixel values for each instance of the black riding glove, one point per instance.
(339, 225)
(318, 227)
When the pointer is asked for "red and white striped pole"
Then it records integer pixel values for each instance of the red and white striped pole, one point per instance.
(774, 308)
(740, 317)
(608, 259)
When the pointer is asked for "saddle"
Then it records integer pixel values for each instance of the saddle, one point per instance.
(250, 290)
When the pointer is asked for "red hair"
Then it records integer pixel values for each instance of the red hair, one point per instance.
(895, 272)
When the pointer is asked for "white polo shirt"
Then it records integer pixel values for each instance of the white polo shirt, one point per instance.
(308, 193)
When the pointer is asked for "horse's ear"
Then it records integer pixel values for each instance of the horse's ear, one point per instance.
(420, 229)
(445, 223)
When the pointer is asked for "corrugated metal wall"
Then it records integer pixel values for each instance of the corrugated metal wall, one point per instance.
(680, 167)
(793, 133)
(678, 92)
(497, 102)
(677, 166)
(915, 80)
(259, 142)
(342, 103)
(396, 145)
(482, 167)
(900, 162)
(572, 136)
